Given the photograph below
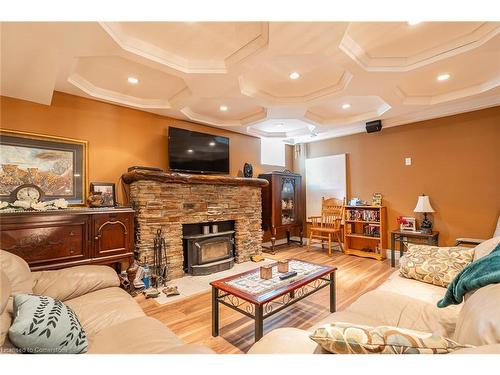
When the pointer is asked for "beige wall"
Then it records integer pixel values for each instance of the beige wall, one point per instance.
(456, 161)
(119, 137)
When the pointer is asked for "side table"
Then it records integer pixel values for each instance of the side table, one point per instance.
(411, 237)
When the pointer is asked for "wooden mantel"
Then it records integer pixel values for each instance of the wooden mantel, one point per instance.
(182, 178)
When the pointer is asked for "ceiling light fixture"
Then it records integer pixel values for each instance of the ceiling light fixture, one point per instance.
(294, 75)
(190, 151)
(212, 144)
(223, 108)
(346, 106)
(133, 80)
(443, 77)
(413, 23)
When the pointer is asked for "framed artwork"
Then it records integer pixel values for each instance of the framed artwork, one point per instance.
(408, 224)
(107, 190)
(58, 166)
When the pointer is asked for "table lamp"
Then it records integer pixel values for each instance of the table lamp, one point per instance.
(424, 206)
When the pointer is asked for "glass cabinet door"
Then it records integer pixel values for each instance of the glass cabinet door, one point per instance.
(288, 201)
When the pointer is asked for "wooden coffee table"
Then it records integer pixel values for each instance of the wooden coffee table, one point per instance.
(259, 299)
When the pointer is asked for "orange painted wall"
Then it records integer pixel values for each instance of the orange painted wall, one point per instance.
(456, 161)
(119, 137)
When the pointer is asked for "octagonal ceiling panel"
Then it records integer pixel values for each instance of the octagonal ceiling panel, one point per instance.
(106, 77)
(398, 46)
(239, 111)
(467, 77)
(361, 108)
(281, 128)
(191, 47)
(319, 77)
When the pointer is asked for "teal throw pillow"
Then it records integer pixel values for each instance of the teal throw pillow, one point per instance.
(46, 325)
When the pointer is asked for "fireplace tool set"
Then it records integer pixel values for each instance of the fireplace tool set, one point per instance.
(159, 271)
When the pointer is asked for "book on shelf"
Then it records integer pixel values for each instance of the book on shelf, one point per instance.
(363, 215)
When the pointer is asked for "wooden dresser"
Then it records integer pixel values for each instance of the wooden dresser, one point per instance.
(58, 239)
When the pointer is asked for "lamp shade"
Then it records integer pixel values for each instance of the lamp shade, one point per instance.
(423, 204)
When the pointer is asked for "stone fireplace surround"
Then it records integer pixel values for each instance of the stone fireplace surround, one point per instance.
(167, 200)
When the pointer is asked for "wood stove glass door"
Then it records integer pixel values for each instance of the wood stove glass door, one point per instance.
(214, 249)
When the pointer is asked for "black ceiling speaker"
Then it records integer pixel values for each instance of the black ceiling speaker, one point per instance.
(373, 126)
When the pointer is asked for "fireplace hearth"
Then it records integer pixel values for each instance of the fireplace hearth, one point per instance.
(208, 247)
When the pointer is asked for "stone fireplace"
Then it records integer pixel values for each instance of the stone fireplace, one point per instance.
(167, 201)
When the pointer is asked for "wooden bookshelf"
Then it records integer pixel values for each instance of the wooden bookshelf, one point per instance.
(365, 232)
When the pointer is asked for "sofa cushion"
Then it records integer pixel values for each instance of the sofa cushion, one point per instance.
(415, 289)
(18, 273)
(45, 325)
(286, 341)
(346, 338)
(435, 265)
(142, 335)
(73, 282)
(486, 247)
(483, 349)
(5, 323)
(479, 320)
(5, 291)
(104, 308)
(381, 308)
(347, 315)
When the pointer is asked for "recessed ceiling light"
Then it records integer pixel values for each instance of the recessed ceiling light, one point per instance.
(443, 77)
(223, 108)
(413, 23)
(346, 106)
(212, 144)
(190, 151)
(133, 80)
(294, 75)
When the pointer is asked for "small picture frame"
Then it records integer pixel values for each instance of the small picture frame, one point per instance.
(107, 190)
(408, 225)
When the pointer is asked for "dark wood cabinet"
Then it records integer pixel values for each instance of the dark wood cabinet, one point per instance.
(58, 239)
(282, 207)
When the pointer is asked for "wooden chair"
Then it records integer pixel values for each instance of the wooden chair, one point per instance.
(327, 227)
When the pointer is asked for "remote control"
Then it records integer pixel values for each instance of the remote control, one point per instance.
(288, 275)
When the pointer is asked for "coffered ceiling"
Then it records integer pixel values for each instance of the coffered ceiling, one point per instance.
(295, 81)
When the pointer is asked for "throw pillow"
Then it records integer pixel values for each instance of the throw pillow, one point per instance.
(435, 265)
(347, 338)
(46, 325)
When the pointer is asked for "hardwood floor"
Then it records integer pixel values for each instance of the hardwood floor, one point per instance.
(190, 319)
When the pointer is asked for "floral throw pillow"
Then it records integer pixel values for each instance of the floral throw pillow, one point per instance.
(46, 325)
(435, 265)
(347, 338)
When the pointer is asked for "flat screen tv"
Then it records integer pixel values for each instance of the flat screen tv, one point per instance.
(196, 152)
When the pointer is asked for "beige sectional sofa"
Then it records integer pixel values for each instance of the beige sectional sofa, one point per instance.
(411, 304)
(112, 320)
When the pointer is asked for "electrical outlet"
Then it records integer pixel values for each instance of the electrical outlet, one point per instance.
(407, 161)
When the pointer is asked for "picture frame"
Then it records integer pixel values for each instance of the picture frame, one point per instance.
(107, 190)
(57, 165)
(409, 224)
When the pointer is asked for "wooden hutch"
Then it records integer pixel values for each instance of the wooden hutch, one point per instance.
(282, 207)
(365, 232)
